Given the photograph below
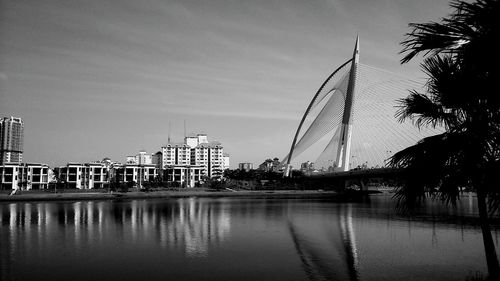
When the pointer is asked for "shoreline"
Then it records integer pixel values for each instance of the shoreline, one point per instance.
(86, 196)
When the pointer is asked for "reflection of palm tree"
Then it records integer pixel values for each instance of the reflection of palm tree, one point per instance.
(462, 64)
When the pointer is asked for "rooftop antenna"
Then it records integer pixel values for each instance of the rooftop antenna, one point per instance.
(184, 128)
(169, 128)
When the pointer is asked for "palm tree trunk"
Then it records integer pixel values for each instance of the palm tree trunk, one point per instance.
(489, 246)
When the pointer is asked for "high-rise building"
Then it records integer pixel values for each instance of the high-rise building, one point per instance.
(196, 151)
(11, 140)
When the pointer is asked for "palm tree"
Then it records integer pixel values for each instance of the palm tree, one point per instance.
(462, 96)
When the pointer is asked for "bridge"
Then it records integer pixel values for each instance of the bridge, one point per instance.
(351, 120)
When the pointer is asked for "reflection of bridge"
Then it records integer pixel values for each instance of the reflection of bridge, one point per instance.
(351, 119)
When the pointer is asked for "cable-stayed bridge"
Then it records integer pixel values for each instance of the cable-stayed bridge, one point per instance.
(350, 122)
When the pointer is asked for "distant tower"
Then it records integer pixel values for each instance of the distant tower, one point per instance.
(11, 140)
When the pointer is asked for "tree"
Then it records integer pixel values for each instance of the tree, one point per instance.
(461, 60)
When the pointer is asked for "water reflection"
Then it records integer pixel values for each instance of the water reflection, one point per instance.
(244, 239)
(340, 242)
(187, 224)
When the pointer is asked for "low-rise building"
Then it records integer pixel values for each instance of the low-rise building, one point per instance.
(26, 176)
(245, 166)
(136, 174)
(271, 165)
(84, 176)
(307, 167)
(184, 176)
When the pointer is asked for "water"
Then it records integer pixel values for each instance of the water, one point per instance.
(238, 239)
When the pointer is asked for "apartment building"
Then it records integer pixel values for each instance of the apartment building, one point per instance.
(26, 176)
(184, 176)
(84, 176)
(136, 173)
(11, 140)
(141, 158)
(225, 161)
(196, 151)
(176, 154)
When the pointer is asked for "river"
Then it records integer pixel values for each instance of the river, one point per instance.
(240, 239)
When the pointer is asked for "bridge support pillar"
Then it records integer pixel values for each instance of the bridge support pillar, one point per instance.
(344, 149)
(286, 172)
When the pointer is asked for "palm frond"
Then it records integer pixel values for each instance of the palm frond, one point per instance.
(430, 168)
(421, 110)
(468, 23)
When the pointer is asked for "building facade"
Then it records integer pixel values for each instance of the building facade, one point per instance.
(141, 158)
(196, 151)
(271, 165)
(26, 176)
(184, 176)
(11, 140)
(245, 166)
(136, 174)
(225, 161)
(84, 176)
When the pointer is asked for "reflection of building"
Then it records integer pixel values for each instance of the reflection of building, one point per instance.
(25, 176)
(11, 140)
(190, 225)
(245, 166)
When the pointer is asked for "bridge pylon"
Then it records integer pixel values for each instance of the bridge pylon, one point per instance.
(344, 145)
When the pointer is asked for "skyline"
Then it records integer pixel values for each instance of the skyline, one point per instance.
(102, 79)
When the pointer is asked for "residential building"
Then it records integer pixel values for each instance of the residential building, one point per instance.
(141, 158)
(210, 156)
(195, 151)
(135, 173)
(184, 176)
(308, 167)
(157, 159)
(11, 140)
(84, 176)
(9, 176)
(225, 161)
(245, 166)
(176, 154)
(24, 176)
(270, 165)
(72, 175)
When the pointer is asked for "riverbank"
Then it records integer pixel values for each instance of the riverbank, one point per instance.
(66, 196)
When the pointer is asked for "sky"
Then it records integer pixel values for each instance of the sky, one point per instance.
(107, 78)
